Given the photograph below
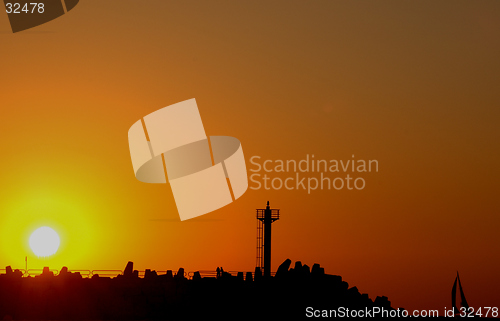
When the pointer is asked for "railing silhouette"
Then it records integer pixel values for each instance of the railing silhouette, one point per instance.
(213, 274)
(205, 273)
(83, 273)
(106, 273)
(35, 272)
(4, 271)
(115, 273)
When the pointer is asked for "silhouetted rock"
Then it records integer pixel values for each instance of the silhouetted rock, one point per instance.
(129, 269)
(180, 274)
(165, 297)
(226, 275)
(299, 271)
(317, 270)
(354, 293)
(148, 274)
(169, 276)
(12, 274)
(283, 269)
(258, 274)
(382, 301)
(17, 273)
(46, 272)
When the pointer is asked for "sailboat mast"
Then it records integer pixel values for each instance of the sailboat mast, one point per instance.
(463, 302)
(454, 296)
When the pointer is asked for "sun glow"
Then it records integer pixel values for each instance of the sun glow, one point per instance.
(44, 241)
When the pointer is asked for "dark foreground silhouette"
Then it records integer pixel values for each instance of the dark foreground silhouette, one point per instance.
(174, 297)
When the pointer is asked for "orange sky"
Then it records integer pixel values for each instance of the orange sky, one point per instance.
(413, 85)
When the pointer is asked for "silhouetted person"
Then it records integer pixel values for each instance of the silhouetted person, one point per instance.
(218, 272)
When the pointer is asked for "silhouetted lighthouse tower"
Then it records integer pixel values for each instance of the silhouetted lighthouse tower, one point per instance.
(265, 217)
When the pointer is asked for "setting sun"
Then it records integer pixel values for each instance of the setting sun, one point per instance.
(44, 241)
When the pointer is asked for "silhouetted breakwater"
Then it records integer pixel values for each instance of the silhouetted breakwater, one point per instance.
(174, 297)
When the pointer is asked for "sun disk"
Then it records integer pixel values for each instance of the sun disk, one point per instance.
(44, 241)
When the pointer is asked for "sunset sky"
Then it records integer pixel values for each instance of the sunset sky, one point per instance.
(414, 85)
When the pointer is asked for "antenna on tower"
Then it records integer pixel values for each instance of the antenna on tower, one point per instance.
(265, 217)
